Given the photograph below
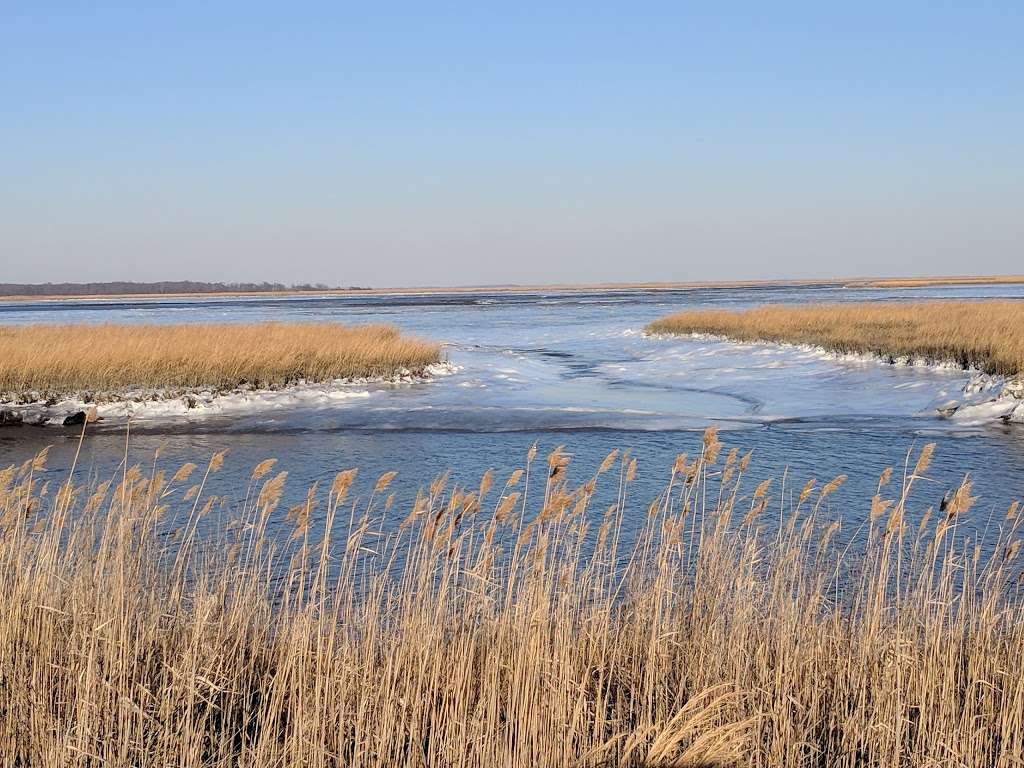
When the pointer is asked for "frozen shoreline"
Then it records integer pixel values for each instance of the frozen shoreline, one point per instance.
(985, 398)
(119, 407)
(825, 352)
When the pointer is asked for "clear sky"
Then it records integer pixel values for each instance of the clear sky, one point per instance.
(390, 144)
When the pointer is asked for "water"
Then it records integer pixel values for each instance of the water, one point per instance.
(573, 370)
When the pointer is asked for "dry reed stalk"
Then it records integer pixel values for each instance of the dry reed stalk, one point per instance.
(469, 639)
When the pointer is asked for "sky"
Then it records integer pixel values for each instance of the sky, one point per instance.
(392, 144)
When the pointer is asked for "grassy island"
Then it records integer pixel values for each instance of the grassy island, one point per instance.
(988, 335)
(70, 359)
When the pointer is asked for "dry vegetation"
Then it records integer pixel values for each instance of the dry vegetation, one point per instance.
(924, 282)
(109, 358)
(507, 625)
(988, 335)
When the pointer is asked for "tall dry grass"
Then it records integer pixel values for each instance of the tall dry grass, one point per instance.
(988, 335)
(69, 359)
(508, 624)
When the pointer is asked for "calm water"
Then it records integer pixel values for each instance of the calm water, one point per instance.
(569, 370)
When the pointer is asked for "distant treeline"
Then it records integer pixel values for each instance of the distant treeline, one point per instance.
(172, 286)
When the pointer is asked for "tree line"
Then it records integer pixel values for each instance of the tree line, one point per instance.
(162, 287)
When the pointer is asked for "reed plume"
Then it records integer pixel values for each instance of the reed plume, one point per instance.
(145, 622)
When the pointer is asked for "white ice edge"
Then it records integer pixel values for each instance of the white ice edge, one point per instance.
(823, 352)
(986, 398)
(157, 404)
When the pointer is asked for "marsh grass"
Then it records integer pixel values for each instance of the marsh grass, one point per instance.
(924, 282)
(70, 359)
(986, 335)
(507, 624)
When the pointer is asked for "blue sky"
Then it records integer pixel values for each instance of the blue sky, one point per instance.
(440, 144)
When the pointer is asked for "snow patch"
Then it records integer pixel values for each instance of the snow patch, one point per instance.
(199, 403)
(987, 398)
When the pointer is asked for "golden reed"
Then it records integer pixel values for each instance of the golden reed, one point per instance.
(145, 623)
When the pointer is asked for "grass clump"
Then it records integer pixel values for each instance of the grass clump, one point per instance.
(71, 359)
(505, 624)
(988, 335)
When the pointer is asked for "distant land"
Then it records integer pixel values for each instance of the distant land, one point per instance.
(131, 289)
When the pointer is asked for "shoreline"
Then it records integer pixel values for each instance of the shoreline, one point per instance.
(853, 282)
(511, 289)
(73, 409)
(831, 354)
(979, 338)
(987, 397)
